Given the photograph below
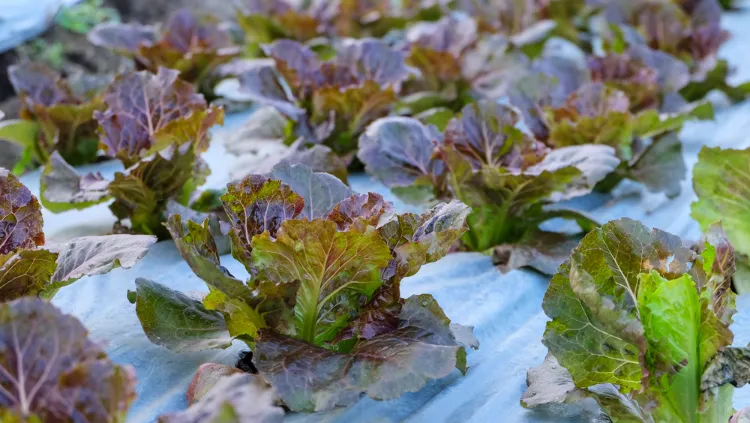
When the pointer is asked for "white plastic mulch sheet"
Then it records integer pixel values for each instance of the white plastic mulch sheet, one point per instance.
(504, 309)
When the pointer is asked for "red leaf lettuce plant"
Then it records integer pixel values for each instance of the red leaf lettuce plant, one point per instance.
(29, 268)
(266, 21)
(457, 64)
(510, 180)
(54, 117)
(640, 324)
(328, 103)
(689, 30)
(157, 126)
(322, 309)
(194, 46)
(52, 372)
(628, 100)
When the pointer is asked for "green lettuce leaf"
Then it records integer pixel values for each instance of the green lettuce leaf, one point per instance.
(720, 181)
(142, 192)
(636, 311)
(333, 268)
(176, 321)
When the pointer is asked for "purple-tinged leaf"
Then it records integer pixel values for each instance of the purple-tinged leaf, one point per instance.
(256, 205)
(399, 150)
(422, 348)
(123, 38)
(321, 191)
(140, 105)
(54, 372)
(63, 188)
(486, 133)
(334, 268)
(21, 219)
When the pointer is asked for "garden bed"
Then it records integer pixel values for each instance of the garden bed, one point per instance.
(504, 309)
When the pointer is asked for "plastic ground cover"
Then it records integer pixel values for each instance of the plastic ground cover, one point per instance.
(504, 309)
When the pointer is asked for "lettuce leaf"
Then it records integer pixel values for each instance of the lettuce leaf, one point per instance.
(62, 373)
(719, 181)
(636, 311)
(176, 321)
(147, 113)
(423, 347)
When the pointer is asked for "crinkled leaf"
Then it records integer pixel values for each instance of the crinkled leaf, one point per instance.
(37, 84)
(143, 107)
(321, 191)
(592, 302)
(63, 188)
(174, 320)
(372, 59)
(595, 114)
(505, 204)
(20, 215)
(732, 365)
(487, 135)
(309, 378)
(332, 267)
(54, 372)
(629, 75)
(549, 383)
(193, 47)
(255, 205)
(360, 211)
(239, 398)
(398, 150)
(720, 179)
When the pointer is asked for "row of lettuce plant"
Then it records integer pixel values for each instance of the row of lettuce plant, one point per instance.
(468, 103)
(460, 51)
